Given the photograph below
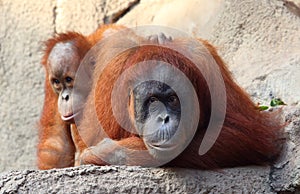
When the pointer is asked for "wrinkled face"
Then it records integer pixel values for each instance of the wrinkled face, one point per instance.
(63, 63)
(156, 111)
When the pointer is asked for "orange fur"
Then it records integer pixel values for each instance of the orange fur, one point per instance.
(58, 140)
(103, 32)
(248, 136)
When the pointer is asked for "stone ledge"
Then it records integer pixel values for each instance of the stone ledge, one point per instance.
(125, 179)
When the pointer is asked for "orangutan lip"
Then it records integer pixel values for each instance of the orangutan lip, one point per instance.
(161, 145)
(69, 117)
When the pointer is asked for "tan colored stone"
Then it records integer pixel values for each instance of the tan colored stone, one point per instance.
(82, 16)
(85, 16)
(23, 27)
(190, 16)
(293, 6)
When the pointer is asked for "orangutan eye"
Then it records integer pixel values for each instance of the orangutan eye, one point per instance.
(152, 99)
(69, 79)
(172, 99)
(55, 81)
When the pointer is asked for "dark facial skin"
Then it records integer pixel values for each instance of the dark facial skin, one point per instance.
(63, 63)
(157, 111)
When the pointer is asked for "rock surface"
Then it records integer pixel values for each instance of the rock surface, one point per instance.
(121, 179)
(293, 6)
(258, 39)
(285, 173)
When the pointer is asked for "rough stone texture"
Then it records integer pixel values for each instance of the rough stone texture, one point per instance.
(81, 16)
(293, 6)
(258, 39)
(261, 43)
(84, 16)
(121, 179)
(285, 174)
(191, 16)
(21, 78)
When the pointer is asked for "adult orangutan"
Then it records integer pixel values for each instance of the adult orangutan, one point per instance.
(153, 103)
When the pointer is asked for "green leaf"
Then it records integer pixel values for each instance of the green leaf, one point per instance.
(276, 102)
(263, 108)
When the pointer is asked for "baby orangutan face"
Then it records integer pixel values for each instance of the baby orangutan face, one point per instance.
(63, 63)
